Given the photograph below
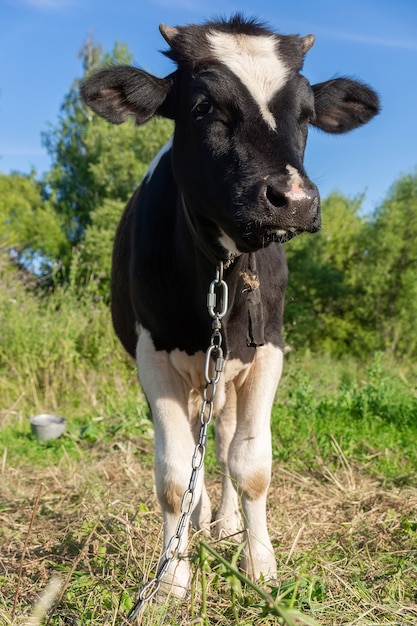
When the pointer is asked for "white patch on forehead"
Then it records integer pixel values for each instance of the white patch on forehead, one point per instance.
(255, 61)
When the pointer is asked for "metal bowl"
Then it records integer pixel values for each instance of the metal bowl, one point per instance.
(47, 426)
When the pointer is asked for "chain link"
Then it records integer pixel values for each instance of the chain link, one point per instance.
(217, 304)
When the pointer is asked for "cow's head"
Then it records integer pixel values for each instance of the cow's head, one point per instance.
(242, 111)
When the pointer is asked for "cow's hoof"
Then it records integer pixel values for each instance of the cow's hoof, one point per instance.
(175, 583)
(259, 570)
(229, 526)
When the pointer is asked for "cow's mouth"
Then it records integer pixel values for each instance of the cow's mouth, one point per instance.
(254, 236)
(279, 236)
(253, 240)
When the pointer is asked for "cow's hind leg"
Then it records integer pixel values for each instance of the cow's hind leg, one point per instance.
(167, 395)
(250, 457)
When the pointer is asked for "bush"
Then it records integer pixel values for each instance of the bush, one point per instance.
(57, 346)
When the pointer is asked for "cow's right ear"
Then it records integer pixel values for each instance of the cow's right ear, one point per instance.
(117, 92)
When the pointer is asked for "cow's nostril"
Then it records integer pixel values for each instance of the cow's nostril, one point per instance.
(276, 197)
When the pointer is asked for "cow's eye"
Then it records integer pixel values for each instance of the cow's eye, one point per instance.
(306, 116)
(202, 108)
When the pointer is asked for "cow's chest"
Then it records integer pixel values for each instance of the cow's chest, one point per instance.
(191, 371)
(191, 368)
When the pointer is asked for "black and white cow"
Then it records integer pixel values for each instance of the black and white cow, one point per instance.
(230, 187)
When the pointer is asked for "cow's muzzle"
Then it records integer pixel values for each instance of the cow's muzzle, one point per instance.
(294, 208)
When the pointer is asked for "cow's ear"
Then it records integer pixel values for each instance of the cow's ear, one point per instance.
(117, 92)
(343, 104)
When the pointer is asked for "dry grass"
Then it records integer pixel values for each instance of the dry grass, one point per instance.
(346, 545)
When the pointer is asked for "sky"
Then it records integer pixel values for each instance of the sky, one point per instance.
(372, 40)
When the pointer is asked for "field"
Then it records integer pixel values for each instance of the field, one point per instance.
(80, 527)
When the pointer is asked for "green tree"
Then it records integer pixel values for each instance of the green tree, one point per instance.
(96, 249)
(29, 227)
(322, 292)
(93, 161)
(353, 286)
(70, 183)
(389, 274)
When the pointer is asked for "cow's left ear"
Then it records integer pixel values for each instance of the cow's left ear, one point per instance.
(117, 92)
(343, 104)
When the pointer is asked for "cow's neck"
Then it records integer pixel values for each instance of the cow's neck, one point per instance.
(247, 269)
(213, 253)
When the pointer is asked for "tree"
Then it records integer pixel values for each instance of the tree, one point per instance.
(29, 227)
(322, 292)
(93, 161)
(389, 275)
(353, 286)
(97, 245)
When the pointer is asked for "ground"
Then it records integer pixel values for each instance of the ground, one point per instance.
(346, 545)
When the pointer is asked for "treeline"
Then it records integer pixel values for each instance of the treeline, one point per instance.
(353, 286)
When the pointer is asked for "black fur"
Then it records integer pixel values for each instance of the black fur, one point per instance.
(231, 170)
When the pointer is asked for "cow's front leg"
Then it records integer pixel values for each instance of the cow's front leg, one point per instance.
(201, 516)
(250, 457)
(167, 395)
(228, 518)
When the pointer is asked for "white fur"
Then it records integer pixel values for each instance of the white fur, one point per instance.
(250, 455)
(172, 384)
(228, 244)
(157, 158)
(255, 61)
(296, 181)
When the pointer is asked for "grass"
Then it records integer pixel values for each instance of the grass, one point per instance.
(372, 414)
(80, 526)
(346, 546)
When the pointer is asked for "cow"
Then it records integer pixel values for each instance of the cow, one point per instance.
(230, 188)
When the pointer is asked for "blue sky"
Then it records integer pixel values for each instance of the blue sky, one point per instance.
(375, 40)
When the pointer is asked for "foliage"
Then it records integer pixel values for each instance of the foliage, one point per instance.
(121, 159)
(353, 286)
(29, 228)
(97, 245)
(70, 182)
(95, 165)
(390, 291)
(320, 307)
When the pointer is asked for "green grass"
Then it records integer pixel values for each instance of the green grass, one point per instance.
(373, 418)
(346, 547)
(80, 512)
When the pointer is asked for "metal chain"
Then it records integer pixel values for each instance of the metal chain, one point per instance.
(217, 298)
